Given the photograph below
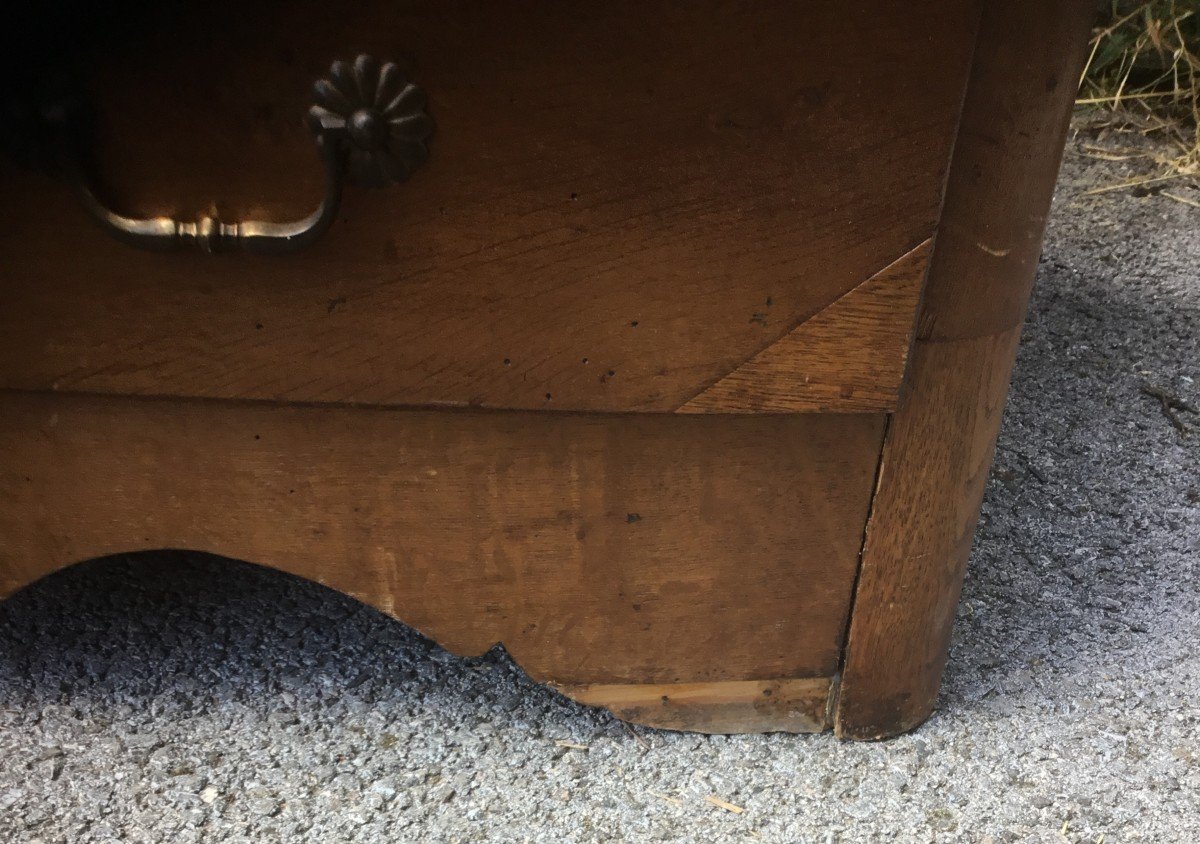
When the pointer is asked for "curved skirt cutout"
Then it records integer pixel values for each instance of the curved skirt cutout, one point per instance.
(684, 572)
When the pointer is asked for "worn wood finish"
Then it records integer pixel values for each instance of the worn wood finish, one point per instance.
(597, 549)
(791, 706)
(634, 208)
(849, 357)
(940, 442)
(625, 202)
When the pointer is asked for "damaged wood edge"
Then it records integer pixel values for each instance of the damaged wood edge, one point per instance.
(800, 705)
(849, 357)
(327, 495)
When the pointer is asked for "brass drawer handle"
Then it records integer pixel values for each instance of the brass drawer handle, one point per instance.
(370, 128)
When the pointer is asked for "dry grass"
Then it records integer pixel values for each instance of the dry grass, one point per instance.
(1143, 74)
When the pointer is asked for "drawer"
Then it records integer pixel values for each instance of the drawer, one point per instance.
(627, 206)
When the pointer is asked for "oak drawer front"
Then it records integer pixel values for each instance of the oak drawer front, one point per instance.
(706, 207)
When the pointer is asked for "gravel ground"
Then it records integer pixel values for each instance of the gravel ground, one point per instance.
(207, 700)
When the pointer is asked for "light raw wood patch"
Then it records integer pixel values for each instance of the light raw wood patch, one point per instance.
(740, 706)
(849, 357)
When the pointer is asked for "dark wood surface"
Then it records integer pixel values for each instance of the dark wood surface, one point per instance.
(596, 548)
(940, 442)
(625, 202)
(717, 209)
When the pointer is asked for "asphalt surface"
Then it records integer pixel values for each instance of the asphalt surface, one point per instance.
(187, 698)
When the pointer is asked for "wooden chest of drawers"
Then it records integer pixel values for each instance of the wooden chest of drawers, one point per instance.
(673, 308)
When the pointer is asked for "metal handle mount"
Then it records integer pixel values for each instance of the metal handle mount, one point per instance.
(370, 127)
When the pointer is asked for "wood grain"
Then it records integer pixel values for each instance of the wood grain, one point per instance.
(630, 206)
(625, 200)
(597, 549)
(850, 357)
(790, 706)
(940, 442)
